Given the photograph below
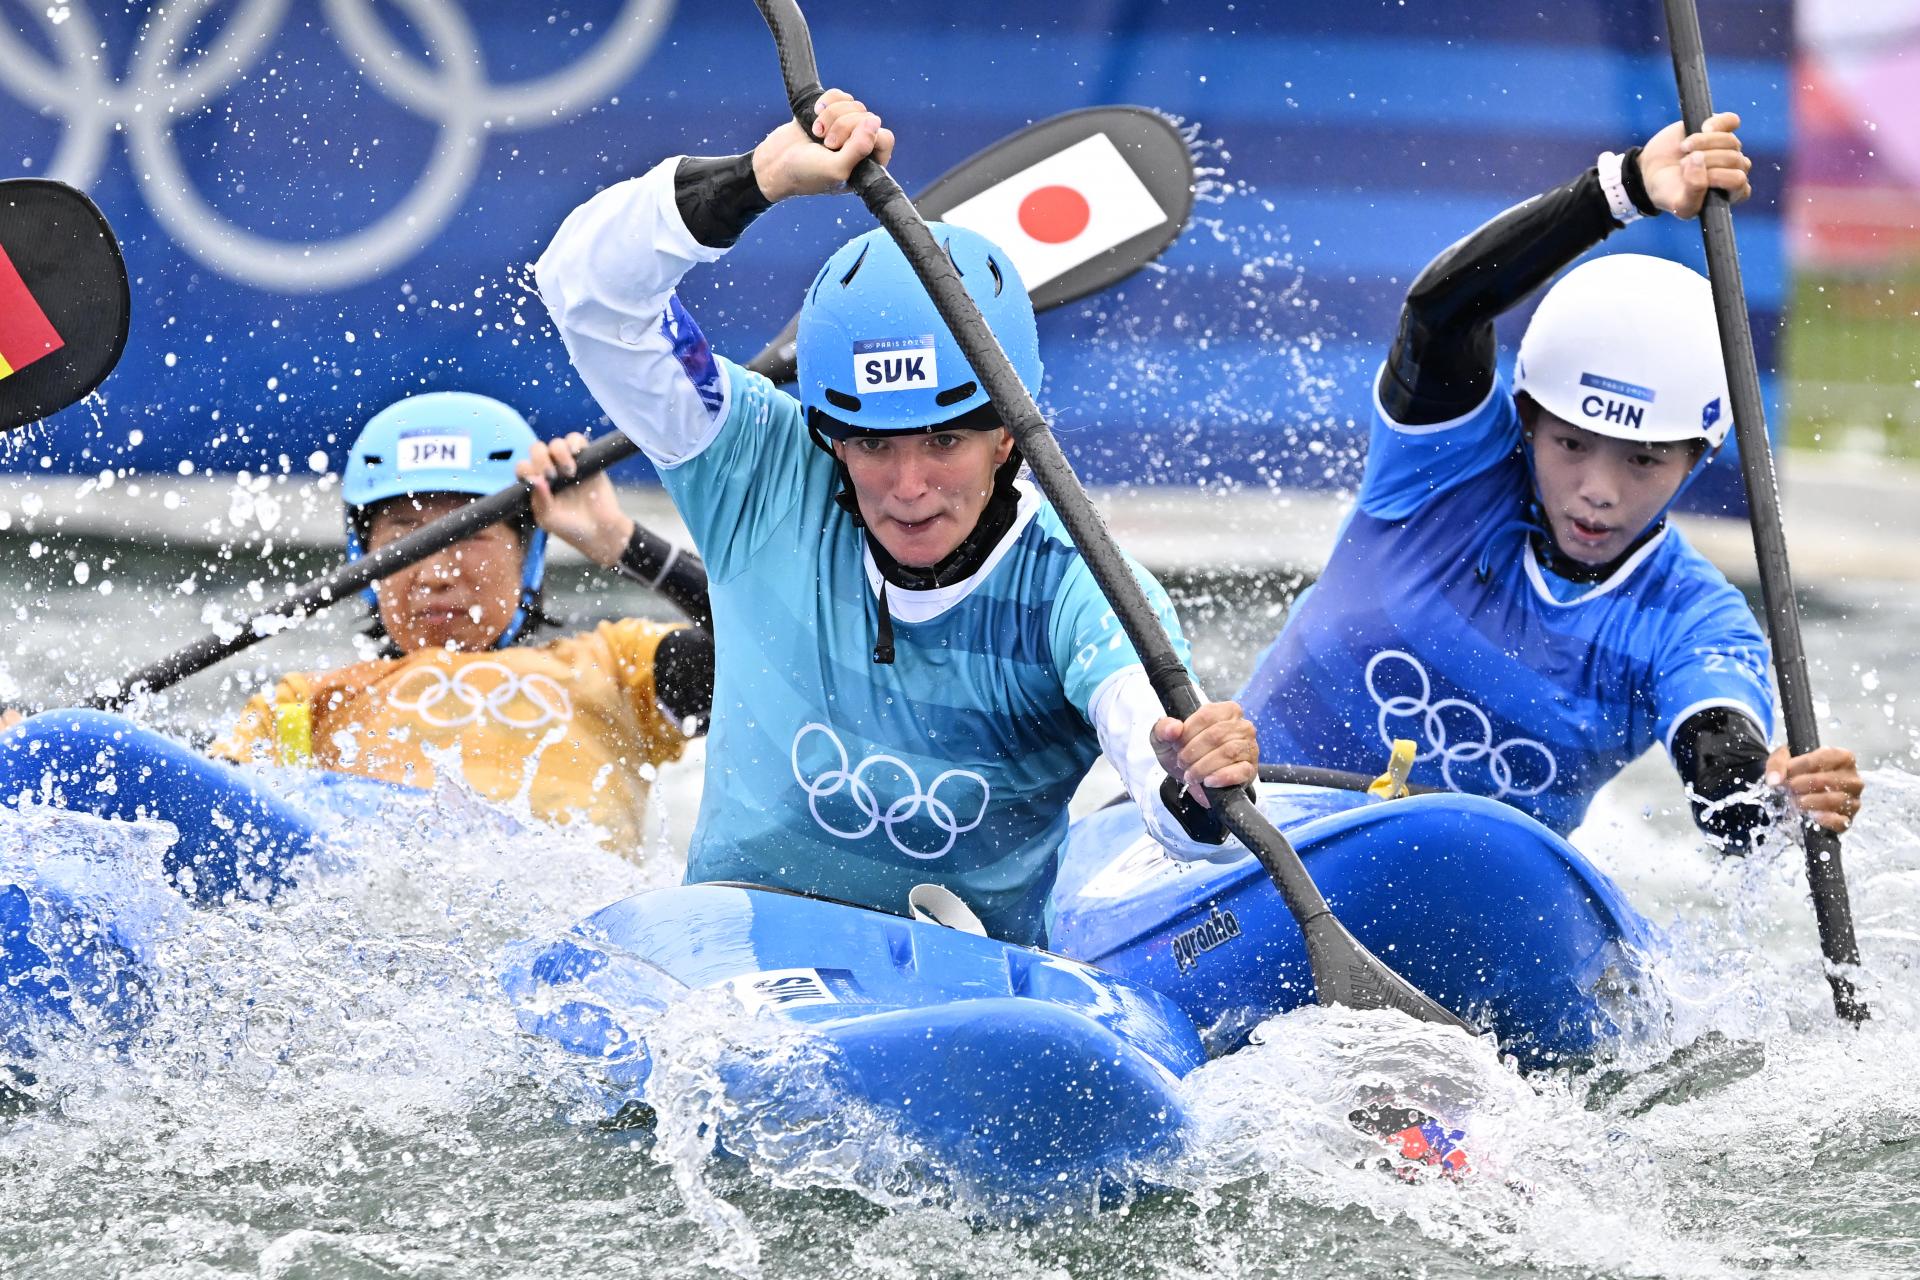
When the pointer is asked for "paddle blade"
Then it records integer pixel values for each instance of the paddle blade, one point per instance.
(63, 299)
(1080, 202)
(1346, 973)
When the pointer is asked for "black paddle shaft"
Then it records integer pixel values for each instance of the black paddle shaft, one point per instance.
(1825, 875)
(1344, 972)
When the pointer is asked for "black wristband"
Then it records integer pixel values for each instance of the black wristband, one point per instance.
(1721, 756)
(718, 197)
(1197, 820)
(673, 571)
(1636, 184)
(647, 557)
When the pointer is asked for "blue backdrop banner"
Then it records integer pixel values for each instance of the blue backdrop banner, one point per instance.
(328, 204)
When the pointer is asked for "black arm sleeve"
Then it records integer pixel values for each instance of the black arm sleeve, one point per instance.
(1442, 361)
(718, 197)
(1720, 753)
(683, 676)
(676, 573)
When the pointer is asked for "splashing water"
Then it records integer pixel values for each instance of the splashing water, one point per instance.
(336, 1084)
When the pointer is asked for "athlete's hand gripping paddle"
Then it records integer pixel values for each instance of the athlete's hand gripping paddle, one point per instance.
(1825, 876)
(1344, 971)
(1159, 155)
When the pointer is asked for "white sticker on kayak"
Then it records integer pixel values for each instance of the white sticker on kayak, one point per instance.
(783, 989)
(421, 451)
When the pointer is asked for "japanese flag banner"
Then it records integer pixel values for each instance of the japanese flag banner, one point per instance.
(1054, 215)
(1070, 190)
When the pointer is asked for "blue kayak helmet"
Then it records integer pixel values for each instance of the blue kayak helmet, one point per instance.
(442, 442)
(876, 358)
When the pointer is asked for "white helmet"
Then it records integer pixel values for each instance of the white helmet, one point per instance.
(1627, 346)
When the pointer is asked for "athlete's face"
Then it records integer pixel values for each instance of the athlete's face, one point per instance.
(1600, 493)
(921, 495)
(460, 598)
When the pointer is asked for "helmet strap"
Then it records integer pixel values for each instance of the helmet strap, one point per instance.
(883, 643)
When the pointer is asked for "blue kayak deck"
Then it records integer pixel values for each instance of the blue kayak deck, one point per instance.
(1476, 904)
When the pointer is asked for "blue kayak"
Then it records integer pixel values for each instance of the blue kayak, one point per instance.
(1476, 904)
(1025, 1078)
(1022, 1076)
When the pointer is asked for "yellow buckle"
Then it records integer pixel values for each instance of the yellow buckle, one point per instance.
(1392, 784)
(292, 733)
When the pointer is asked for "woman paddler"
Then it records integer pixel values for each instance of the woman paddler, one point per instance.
(578, 724)
(915, 667)
(1507, 593)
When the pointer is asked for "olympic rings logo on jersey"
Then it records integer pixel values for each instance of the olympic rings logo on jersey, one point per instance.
(1460, 734)
(162, 85)
(482, 690)
(912, 811)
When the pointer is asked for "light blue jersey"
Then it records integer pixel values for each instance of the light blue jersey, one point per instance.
(833, 774)
(827, 772)
(1435, 621)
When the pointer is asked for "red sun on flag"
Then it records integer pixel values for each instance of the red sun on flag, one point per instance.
(1056, 214)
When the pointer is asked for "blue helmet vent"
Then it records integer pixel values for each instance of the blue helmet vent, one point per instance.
(847, 279)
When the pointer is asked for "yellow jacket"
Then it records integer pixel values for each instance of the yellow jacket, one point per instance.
(573, 724)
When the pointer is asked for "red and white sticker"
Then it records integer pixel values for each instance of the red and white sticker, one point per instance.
(1052, 216)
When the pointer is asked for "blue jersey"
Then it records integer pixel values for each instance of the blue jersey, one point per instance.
(1523, 686)
(831, 773)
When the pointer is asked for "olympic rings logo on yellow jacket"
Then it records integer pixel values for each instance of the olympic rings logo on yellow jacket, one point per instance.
(481, 690)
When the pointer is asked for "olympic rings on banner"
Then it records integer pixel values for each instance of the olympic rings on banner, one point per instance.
(1470, 748)
(940, 813)
(161, 85)
(481, 690)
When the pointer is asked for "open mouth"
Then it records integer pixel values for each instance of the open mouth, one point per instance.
(1587, 531)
